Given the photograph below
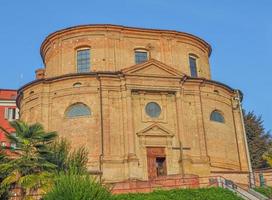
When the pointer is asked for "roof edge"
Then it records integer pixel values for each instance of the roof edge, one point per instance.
(121, 27)
(117, 73)
(5, 89)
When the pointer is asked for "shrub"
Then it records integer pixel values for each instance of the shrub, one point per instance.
(266, 191)
(65, 160)
(74, 186)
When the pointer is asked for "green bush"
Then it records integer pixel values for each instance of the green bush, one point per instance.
(266, 191)
(184, 194)
(61, 155)
(71, 186)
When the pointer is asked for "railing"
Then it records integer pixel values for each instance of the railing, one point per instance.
(266, 177)
(245, 194)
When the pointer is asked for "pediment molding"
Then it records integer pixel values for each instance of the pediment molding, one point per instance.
(152, 68)
(155, 130)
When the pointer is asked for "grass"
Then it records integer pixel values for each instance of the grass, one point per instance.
(182, 194)
(266, 191)
(73, 186)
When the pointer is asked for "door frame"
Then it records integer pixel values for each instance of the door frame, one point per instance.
(151, 154)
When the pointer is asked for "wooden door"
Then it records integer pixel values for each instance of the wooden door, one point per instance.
(153, 155)
(151, 167)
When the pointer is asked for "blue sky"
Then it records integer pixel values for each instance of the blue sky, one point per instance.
(240, 32)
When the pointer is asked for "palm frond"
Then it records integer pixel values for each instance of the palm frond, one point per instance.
(13, 177)
(49, 137)
(13, 138)
(29, 181)
(21, 128)
(5, 167)
(36, 131)
(3, 157)
(40, 180)
(4, 130)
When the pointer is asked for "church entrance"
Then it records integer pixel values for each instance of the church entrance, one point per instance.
(156, 162)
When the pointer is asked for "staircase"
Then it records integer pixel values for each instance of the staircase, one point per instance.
(187, 181)
(247, 194)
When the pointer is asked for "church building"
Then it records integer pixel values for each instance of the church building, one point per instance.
(142, 101)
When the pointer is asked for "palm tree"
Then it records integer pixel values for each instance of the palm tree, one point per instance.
(29, 170)
(65, 159)
(3, 190)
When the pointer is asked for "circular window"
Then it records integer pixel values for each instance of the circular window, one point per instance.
(153, 109)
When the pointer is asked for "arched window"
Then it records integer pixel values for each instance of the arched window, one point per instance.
(77, 85)
(141, 55)
(83, 60)
(193, 65)
(217, 116)
(78, 110)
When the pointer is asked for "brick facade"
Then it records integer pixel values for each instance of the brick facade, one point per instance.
(119, 131)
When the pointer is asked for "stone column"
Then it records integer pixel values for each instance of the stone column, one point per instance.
(240, 136)
(180, 129)
(130, 128)
(203, 159)
(132, 158)
(200, 124)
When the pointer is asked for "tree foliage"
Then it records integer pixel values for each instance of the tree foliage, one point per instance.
(266, 191)
(259, 140)
(65, 159)
(3, 190)
(28, 169)
(39, 157)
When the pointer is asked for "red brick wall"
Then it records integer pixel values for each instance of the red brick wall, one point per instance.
(166, 182)
(7, 100)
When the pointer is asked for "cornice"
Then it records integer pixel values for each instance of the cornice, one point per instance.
(117, 74)
(122, 29)
(7, 102)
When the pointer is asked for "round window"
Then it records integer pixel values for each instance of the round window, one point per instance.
(153, 109)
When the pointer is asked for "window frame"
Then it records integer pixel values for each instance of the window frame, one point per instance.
(141, 50)
(150, 115)
(196, 58)
(78, 49)
(223, 121)
(11, 114)
(77, 116)
(77, 85)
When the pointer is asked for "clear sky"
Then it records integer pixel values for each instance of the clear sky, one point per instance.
(239, 31)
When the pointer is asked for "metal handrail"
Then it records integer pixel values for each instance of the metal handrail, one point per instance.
(234, 187)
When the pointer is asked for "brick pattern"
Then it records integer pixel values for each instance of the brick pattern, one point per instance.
(112, 49)
(167, 182)
(193, 143)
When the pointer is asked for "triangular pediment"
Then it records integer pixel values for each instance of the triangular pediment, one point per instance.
(152, 67)
(155, 130)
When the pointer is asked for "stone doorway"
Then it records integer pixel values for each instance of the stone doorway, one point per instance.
(156, 162)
